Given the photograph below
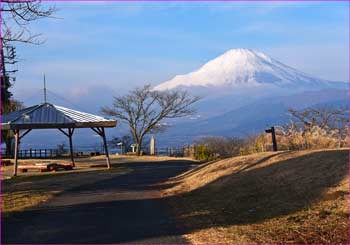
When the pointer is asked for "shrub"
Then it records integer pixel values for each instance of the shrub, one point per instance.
(220, 147)
(204, 153)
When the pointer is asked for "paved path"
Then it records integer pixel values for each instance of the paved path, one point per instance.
(121, 209)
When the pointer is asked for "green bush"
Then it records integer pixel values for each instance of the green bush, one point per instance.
(204, 153)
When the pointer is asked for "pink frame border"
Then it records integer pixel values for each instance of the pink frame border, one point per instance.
(190, 1)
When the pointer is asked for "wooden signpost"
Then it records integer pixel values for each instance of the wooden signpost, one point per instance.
(273, 134)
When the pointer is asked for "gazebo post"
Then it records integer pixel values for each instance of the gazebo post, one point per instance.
(15, 165)
(70, 135)
(103, 134)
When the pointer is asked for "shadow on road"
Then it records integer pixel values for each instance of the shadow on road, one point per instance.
(121, 209)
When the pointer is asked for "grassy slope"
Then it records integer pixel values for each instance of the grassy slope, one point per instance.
(284, 197)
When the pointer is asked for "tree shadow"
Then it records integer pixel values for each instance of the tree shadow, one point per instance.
(254, 195)
(123, 221)
(143, 176)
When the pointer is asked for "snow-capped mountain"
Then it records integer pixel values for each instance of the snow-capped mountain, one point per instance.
(244, 91)
(242, 68)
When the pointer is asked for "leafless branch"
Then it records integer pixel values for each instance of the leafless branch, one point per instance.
(17, 15)
(144, 109)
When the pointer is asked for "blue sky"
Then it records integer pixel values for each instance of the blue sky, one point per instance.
(122, 45)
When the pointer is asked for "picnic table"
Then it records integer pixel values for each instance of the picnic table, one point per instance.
(5, 162)
(45, 167)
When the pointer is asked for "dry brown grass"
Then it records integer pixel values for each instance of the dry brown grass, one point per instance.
(283, 197)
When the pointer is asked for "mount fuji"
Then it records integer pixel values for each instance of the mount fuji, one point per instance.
(245, 68)
(243, 91)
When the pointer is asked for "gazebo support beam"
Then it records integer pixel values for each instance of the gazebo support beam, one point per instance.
(15, 165)
(24, 134)
(69, 134)
(64, 132)
(71, 131)
(101, 132)
(106, 148)
(17, 141)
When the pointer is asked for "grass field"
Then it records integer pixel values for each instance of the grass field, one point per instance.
(282, 197)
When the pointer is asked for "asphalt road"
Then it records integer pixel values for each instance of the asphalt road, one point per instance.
(121, 209)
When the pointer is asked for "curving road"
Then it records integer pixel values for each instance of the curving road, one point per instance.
(120, 209)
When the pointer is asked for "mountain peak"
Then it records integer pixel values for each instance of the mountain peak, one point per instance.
(242, 68)
(244, 53)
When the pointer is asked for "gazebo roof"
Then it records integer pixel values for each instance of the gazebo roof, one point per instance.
(48, 115)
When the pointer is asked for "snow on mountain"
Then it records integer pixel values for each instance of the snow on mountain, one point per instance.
(243, 68)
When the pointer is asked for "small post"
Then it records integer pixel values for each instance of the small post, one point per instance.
(16, 132)
(273, 135)
(103, 134)
(152, 147)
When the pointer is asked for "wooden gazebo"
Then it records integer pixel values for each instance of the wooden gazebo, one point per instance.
(49, 116)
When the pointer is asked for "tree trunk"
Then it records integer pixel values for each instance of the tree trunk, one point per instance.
(8, 142)
(139, 148)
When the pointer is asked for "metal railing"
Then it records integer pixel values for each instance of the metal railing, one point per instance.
(55, 153)
(34, 153)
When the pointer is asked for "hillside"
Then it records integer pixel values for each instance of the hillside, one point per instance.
(283, 197)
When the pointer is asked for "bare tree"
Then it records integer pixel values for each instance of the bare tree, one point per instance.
(144, 110)
(326, 118)
(16, 15)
